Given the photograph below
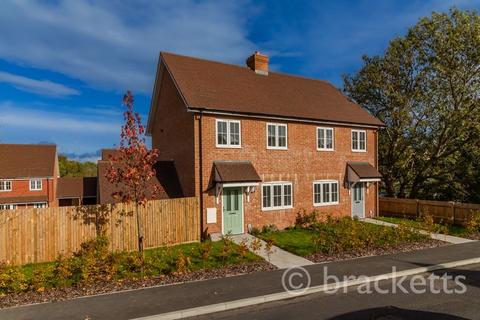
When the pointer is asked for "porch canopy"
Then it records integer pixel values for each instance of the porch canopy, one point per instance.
(240, 173)
(362, 172)
(235, 174)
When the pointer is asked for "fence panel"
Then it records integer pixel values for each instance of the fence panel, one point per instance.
(40, 235)
(441, 211)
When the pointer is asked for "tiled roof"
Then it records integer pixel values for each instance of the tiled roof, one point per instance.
(73, 187)
(27, 160)
(220, 87)
(235, 171)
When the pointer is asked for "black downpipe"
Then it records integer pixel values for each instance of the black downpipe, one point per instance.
(200, 147)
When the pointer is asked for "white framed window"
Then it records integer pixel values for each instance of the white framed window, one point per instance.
(228, 133)
(325, 139)
(7, 206)
(359, 140)
(325, 192)
(5, 185)
(39, 205)
(35, 184)
(277, 195)
(277, 136)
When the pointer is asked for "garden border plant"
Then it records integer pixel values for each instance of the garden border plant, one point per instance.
(322, 237)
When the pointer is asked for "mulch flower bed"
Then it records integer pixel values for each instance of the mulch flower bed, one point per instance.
(405, 247)
(67, 293)
(475, 236)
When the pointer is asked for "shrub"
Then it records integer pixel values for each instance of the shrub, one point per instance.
(304, 220)
(269, 228)
(12, 280)
(336, 235)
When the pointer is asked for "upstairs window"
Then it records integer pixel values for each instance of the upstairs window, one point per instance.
(8, 206)
(35, 184)
(276, 136)
(325, 192)
(277, 195)
(39, 205)
(5, 185)
(325, 139)
(359, 140)
(228, 133)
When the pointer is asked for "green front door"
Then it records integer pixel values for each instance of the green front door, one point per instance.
(232, 210)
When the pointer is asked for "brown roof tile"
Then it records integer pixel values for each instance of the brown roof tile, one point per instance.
(166, 179)
(365, 170)
(27, 160)
(23, 199)
(77, 187)
(235, 171)
(224, 87)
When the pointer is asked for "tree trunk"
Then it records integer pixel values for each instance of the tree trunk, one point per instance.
(140, 232)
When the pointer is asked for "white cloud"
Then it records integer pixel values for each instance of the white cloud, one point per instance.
(45, 87)
(115, 45)
(21, 117)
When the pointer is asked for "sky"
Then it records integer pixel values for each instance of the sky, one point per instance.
(64, 65)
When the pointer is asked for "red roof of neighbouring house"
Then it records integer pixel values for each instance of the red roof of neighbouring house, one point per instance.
(214, 86)
(77, 187)
(27, 161)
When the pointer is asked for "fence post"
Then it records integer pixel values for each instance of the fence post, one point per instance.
(417, 212)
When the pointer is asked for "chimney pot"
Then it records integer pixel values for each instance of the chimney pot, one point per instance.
(259, 63)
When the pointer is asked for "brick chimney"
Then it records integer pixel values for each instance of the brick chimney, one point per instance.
(259, 63)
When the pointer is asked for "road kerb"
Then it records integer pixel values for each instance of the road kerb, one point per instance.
(241, 303)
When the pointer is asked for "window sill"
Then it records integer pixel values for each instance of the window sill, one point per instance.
(277, 208)
(228, 147)
(359, 150)
(277, 148)
(6, 190)
(326, 204)
(328, 150)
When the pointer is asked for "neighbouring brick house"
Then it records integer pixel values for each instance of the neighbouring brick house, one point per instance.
(166, 180)
(258, 147)
(28, 176)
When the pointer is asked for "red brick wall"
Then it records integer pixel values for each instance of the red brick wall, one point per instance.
(301, 164)
(172, 133)
(21, 188)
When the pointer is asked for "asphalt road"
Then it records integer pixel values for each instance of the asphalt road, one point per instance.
(376, 306)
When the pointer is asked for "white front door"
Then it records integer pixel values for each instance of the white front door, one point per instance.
(358, 200)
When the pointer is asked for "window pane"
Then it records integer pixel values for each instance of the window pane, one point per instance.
(271, 135)
(326, 192)
(222, 132)
(235, 200)
(267, 201)
(277, 195)
(362, 140)
(287, 195)
(321, 138)
(354, 140)
(282, 136)
(235, 133)
(228, 195)
(334, 192)
(329, 139)
(317, 193)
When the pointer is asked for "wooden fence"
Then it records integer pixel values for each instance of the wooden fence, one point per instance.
(441, 211)
(40, 235)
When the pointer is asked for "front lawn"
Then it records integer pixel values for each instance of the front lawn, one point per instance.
(93, 269)
(449, 229)
(336, 238)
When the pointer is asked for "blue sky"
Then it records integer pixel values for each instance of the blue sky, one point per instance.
(65, 64)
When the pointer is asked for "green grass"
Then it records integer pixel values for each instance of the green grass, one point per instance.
(452, 230)
(340, 235)
(95, 263)
(297, 241)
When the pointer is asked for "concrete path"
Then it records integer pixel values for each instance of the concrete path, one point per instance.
(164, 299)
(278, 257)
(436, 236)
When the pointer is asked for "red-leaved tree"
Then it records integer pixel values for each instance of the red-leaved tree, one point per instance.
(132, 167)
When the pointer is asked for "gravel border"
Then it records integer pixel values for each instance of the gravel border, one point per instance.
(67, 293)
(378, 251)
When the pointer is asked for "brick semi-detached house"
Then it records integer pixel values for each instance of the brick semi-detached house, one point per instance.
(258, 147)
(28, 176)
